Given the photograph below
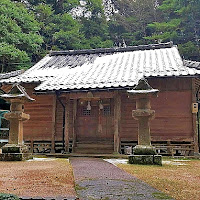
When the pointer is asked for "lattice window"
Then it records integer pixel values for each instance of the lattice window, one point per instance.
(86, 112)
(106, 111)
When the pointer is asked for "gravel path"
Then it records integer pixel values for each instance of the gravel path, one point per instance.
(98, 179)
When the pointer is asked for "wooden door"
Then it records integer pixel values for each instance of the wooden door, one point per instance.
(95, 124)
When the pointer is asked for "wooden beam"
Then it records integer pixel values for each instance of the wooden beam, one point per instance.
(90, 95)
(194, 119)
(74, 122)
(117, 121)
(53, 125)
(67, 124)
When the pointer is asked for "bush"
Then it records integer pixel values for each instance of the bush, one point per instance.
(8, 197)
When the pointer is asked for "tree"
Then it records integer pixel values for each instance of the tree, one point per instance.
(95, 26)
(12, 58)
(130, 22)
(19, 38)
(181, 24)
(74, 24)
(62, 28)
(66, 32)
(59, 6)
(60, 31)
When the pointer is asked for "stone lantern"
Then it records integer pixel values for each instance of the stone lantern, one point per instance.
(15, 149)
(144, 153)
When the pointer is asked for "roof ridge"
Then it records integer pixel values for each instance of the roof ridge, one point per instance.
(112, 50)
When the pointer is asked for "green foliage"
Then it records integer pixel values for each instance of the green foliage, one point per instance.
(66, 32)
(4, 196)
(95, 26)
(181, 19)
(95, 7)
(189, 50)
(130, 23)
(165, 26)
(62, 31)
(29, 29)
(12, 58)
(19, 39)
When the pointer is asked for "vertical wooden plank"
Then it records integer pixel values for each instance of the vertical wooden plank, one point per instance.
(169, 149)
(53, 125)
(117, 121)
(31, 146)
(67, 124)
(194, 118)
(74, 123)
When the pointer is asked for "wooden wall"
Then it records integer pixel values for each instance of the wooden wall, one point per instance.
(173, 119)
(40, 127)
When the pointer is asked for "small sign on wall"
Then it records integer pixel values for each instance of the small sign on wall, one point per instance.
(194, 107)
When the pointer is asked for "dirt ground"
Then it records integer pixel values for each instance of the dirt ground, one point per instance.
(37, 178)
(178, 178)
(44, 177)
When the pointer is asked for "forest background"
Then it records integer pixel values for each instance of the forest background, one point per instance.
(31, 28)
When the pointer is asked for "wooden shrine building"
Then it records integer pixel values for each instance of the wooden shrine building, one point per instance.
(82, 104)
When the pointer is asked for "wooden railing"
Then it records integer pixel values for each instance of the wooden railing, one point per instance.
(175, 149)
(168, 148)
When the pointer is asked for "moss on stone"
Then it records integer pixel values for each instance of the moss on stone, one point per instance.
(4, 196)
(145, 159)
(14, 156)
(144, 150)
(160, 195)
(78, 187)
(11, 149)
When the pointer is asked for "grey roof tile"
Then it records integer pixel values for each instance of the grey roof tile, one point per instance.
(105, 68)
(192, 64)
(11, 74)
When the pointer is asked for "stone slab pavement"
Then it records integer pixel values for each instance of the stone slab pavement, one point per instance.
(97, 179)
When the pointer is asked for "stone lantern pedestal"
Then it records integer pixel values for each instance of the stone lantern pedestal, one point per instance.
(15, 150)
(144, 152)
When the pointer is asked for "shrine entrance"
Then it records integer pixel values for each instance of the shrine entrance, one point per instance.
(95, 121)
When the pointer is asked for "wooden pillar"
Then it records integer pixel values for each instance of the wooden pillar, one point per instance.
(67, 124)
(74, 123)
(117, 121)
(53, 125)
(194, 119)
(32, 146)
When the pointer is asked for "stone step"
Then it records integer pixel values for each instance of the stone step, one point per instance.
(94, 145)
(93, 150)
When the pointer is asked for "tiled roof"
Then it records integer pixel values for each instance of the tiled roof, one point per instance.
(11, 74)
(104, 68)
(192, 64)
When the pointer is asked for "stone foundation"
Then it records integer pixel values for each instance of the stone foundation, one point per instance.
(14, 148)
(144, 150)
(14, 152)
(15, 156)
(145, 159)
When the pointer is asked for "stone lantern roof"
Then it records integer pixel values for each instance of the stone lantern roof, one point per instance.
(143, 87)
(17, 92)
